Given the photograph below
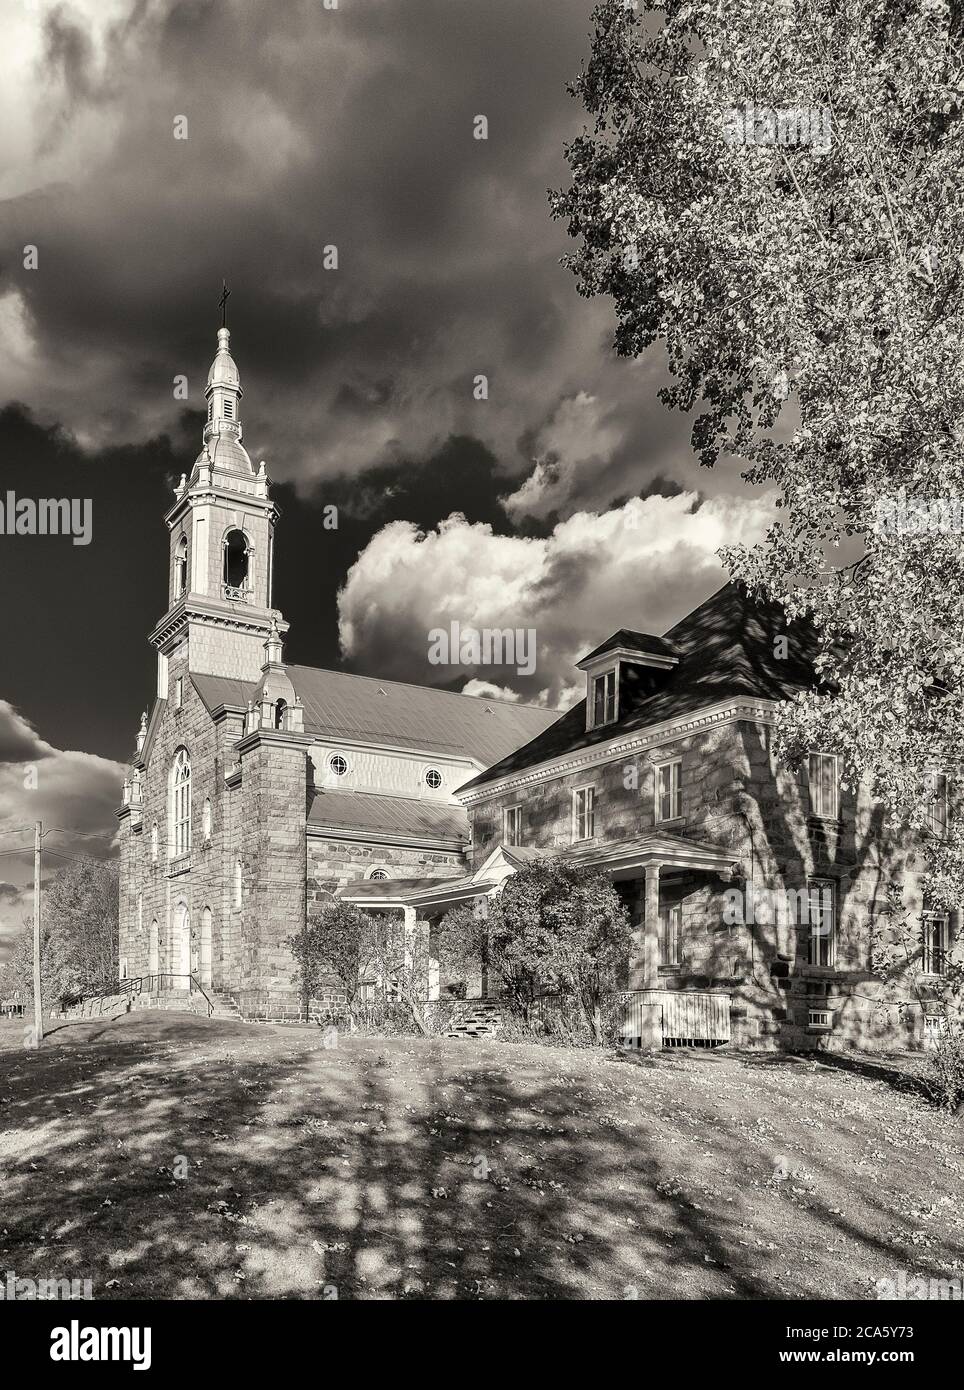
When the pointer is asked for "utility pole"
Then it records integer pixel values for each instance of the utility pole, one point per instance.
(38, 1019)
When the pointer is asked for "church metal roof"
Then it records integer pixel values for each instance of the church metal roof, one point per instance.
(366, 710)
(403, 816)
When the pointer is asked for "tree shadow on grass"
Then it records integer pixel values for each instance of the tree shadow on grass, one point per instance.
(188, 1159)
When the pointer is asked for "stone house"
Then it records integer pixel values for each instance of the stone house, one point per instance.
(754, 893)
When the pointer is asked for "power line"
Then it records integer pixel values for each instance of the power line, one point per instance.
(78, 834)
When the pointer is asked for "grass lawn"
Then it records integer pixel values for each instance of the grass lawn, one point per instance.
(436, 1168)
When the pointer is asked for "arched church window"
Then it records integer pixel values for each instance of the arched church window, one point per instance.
(238, 883)
(236, 560)
(206, 819)
(180, 567)
(154, 843)
(181, 803)
(279, 713)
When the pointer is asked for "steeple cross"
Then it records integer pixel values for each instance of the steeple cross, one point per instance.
(223, 303)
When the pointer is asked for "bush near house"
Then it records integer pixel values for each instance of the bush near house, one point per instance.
(555, 929)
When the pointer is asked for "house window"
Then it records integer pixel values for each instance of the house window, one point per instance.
(819, 1018)
(934, 931)
(512, 825)
(584, 813)
(669, 797)
(671, 935)
(181, 803)
(604, 698)
(822, 777)
(822, 917)
(337, 765)
(433, 779)
(936, 815)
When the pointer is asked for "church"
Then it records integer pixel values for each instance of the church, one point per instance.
(259, 789)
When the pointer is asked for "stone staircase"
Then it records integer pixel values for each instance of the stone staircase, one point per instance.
(478, 1018)
(177, 1000)
(225, 1005)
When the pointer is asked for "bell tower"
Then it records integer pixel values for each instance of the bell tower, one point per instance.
(222, 542)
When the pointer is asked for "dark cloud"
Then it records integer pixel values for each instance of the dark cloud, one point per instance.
(308, 128)
(350, 128)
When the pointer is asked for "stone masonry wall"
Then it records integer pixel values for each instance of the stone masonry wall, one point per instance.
(152, 887)
(274, 786)
(734, 795)
(334, 863)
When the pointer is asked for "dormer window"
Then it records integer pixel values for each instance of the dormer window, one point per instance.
(604, 698)
(624, 670)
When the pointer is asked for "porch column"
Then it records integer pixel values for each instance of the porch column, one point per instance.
(644, 965)
(409, 927)
(650, 960)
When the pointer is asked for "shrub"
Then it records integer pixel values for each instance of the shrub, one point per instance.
(944, 1073)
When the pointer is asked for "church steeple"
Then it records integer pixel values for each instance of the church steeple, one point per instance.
(222, 541)
(223, 391)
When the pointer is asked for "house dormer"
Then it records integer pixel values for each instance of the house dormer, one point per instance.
(627, 667)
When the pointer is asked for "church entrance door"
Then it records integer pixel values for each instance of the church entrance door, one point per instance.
(181, 948)
(205, 961)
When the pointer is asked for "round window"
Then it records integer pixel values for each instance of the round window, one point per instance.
(378, 873)
(338, 765)
(433, 778)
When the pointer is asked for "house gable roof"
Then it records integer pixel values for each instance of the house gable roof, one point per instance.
(726, 648)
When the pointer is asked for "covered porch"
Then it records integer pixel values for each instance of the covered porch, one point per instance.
(661, 1007)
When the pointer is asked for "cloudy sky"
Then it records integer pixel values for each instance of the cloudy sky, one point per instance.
(568, 501)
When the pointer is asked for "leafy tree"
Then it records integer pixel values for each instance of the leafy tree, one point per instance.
(810, 305)
(339, 939)
(558, 926)
(79, 943)
(464, 941)
(401, 965)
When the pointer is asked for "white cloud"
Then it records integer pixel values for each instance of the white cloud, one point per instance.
(66, 790)
(576, 444)
(642, 565)
(489, 690)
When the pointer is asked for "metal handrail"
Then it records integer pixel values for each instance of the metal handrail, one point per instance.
(150, 984)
